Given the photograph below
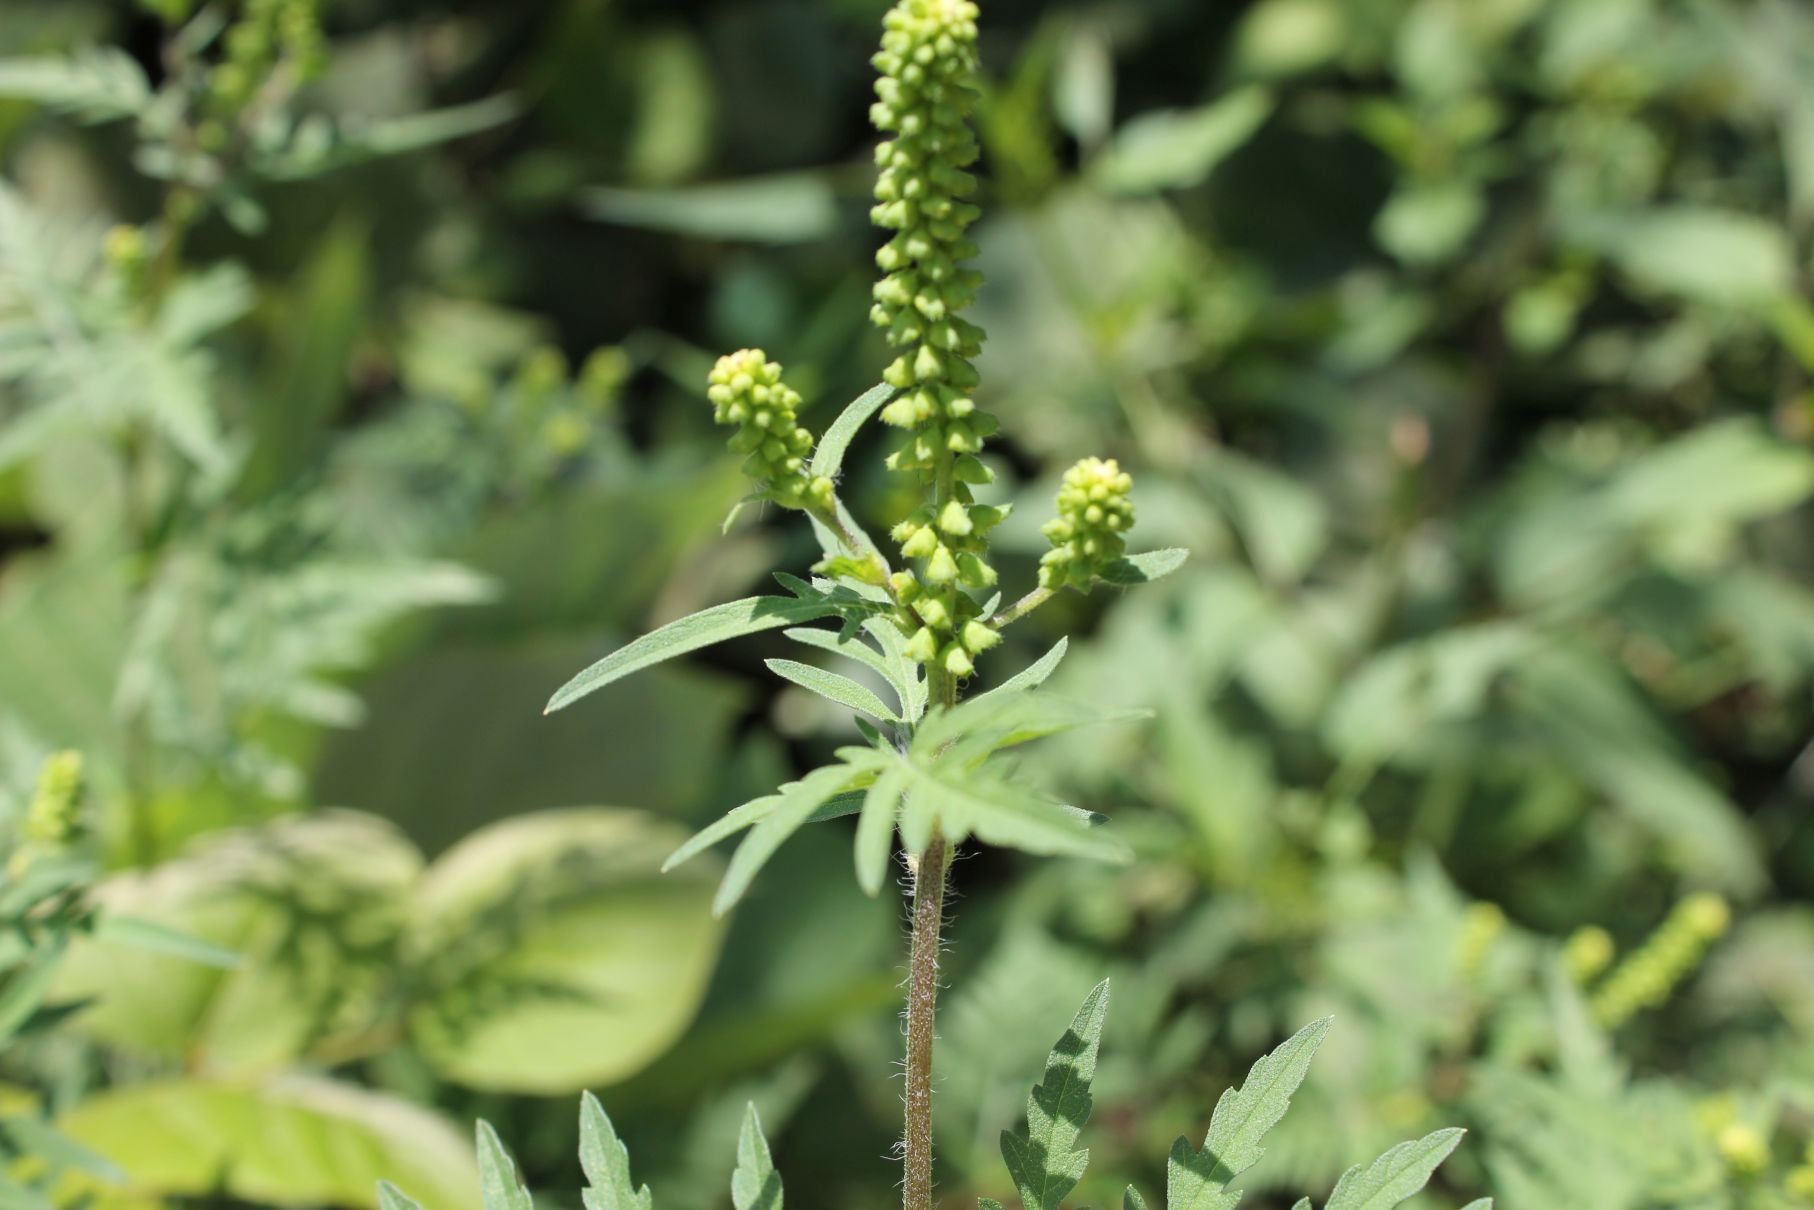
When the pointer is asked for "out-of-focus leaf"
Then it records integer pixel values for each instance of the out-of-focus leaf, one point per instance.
(97, 84)
(1175, 149)
(788, 208)
(291, 1141)
(1719, 257)
(557, 953)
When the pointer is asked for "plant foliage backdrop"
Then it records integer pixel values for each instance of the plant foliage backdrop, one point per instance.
(352, 370)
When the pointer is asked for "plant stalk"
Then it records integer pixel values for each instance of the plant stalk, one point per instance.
(922, 1004)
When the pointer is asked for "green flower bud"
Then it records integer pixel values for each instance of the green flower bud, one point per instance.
(978, 636)
(1587, 952)
(746, 390)
(1743, 1150)
(1090, 531)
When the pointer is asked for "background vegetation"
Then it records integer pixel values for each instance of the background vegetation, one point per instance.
(349, 404)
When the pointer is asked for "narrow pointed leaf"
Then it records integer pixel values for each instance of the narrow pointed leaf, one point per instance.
(715, 625)
(1040, 1156)
(1031, 677)
(964, 802)
(1133, 1200)
(875, 830)
(1145, 568)
(1485, 1203)
(498, 1183)
(1396, 1176)
(755, 1185)
(392, 1198)
(606, 1162)
(833, 687)
(796, 806)
(828, 459)
(142, 934)
(1199, 1180)
(849, 647)
(750, 814)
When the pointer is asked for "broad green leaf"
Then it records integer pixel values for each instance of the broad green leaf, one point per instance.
(311, 905)
(33, 1136)
(797, 804)
(392, 1198)
(1032, 676)
(97, 84)
(875, 829)
(748, 616)
(499, 1185)
(1040, 1157)
(1199, 1180)
(833, 687)
(1718, 257)
(1144, 568)
(552, 954)
(961, 803)
(606, 1162)
(828, 458)
(1175, 149)
(785, 208)
(755, 1185)
(1396, 1176)
(288, 1141)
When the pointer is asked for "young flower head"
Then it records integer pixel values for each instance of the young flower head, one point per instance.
(1090, 531)
(746, 390)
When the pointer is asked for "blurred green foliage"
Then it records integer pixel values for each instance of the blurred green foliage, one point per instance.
(1465, 343)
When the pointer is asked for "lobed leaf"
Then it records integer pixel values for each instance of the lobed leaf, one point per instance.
(1396, 1176)
(99, 84)
(755, 1185)
(962, 802)
(881, 806)
(499, 1185)
(606, 1163)
(1199, 1180)
(715, 625)
(1040, 1157)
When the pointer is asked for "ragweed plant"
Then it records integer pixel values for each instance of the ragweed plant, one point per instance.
(920, 621)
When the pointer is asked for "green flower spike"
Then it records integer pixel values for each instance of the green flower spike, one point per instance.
(1090, 531)
(746, 390)
(51, 822)
(925, 95)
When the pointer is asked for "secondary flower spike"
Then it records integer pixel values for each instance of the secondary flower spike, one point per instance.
(746, 390)
(1090, 531)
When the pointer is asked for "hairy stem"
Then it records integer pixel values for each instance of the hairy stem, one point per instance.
(922, 1004)
(1022, 607)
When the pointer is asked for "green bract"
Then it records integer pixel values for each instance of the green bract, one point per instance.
(746, 390)
(1090, 531)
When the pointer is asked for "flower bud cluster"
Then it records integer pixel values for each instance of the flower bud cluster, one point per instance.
(746, 390)
(269, 31)
(1648, 977)
(1587, 953)
(944, 626)
(1090, 531)
(51, 822)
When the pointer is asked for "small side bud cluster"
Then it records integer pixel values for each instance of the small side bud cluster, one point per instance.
(51, 821)
(746, 390)
(1481, 926)
(268, 33)
(128, 256)
(1650, 975)
(1090, 531)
